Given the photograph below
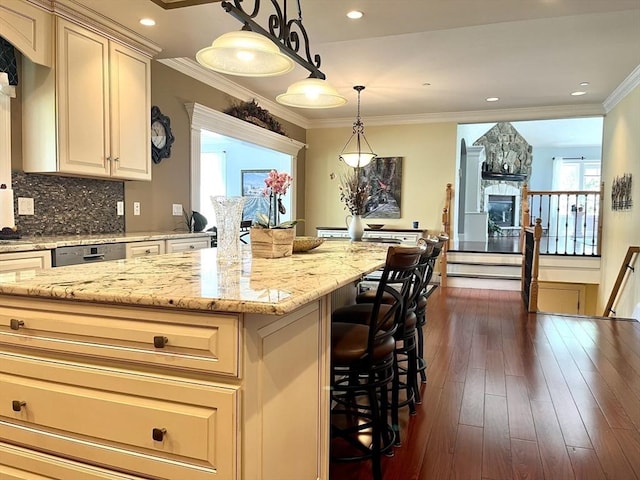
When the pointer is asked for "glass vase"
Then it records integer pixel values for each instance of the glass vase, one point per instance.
(228, 212)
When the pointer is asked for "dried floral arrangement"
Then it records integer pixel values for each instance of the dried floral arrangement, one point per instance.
(354, 193)
(251, 112)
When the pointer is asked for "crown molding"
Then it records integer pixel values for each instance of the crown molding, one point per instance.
(92, 20)
(624, 89)
(194, 70)
(478, 116)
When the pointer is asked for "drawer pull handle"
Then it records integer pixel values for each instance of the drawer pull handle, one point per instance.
(158, 434)
(159, 341)
(17, 405)
(15, 324)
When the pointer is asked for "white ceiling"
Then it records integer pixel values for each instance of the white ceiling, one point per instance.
(530, 53)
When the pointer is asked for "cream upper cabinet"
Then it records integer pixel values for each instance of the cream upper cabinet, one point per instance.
(90, 114)
(28, 28)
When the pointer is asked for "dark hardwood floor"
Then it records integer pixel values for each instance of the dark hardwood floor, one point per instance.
(517, 396)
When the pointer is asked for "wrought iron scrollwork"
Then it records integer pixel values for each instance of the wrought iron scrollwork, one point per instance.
(289, 34)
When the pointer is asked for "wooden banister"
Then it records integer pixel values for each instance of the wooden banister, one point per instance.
(624, 268)
(446, 227)
(531, 257)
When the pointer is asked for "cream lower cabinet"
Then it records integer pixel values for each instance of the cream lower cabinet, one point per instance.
(89, 115)
(91, 391)
(16, 262)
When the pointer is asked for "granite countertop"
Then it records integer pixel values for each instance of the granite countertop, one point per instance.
(198, 281)
(49, 242)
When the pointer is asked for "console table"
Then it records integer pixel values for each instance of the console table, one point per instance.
(405, 235)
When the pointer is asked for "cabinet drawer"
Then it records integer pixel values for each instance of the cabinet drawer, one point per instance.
(159, 426)
(18, 463)
(144, 249)
(193, 341)
(20, 261)
(187, 244)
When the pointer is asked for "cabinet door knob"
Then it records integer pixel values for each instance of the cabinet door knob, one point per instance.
(15, 324)
(17, 405)
(191, 247)
(158, 434)
(160, 341)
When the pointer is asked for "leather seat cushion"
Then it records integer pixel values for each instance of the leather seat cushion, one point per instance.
(349, 344)
(369, 296)
(361, 314)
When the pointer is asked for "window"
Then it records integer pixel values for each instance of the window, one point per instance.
(579, 175)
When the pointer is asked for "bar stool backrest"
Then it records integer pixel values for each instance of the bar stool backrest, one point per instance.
(396, 280)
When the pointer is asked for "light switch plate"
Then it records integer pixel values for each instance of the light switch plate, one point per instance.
(136, 208)
(25, 206)
(120, 208)
(177, 209)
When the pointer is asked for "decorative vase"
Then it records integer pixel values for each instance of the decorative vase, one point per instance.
(355, 227)
(272, 242)
(228, 212)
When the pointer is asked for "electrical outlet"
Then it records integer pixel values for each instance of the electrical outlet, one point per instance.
(120, 208)
(177, 209)
(25, 206)
(136, 208)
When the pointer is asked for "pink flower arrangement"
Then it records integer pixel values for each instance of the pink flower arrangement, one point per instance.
(277, 183)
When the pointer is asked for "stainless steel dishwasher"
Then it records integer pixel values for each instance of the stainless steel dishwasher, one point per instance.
(78, 254)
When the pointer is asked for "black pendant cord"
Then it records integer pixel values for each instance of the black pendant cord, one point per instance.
(281, 32)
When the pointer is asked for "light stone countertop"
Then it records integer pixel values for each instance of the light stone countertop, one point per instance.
(198, 281)
(49, 242)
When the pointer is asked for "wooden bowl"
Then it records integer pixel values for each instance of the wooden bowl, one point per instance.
(304, 244)
(375, 226)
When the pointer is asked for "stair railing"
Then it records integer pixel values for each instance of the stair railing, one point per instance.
(531, 265)
(446, 228)
(625, 268)
(571, 219)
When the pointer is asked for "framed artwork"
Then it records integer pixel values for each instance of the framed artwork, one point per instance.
(253, 182)
(384, 177)
(252, 186)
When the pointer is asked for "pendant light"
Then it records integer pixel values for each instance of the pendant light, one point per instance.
(245, 53)
(311, 93)
(357, 158)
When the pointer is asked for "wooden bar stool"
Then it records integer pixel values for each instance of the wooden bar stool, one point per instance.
(362, 364)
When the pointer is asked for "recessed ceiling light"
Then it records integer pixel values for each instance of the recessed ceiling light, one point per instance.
(355, 14)
(584, 84)
(147, 22)
(492, 99)
(577, 94)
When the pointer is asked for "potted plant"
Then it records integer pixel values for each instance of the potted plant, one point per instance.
(269, 237)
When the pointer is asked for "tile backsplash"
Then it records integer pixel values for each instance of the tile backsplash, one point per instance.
(68, 205)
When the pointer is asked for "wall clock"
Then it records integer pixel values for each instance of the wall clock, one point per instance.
(161, 136)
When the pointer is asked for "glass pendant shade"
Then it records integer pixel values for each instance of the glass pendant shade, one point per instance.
(311, 93)
(357, 160)
(245, 53)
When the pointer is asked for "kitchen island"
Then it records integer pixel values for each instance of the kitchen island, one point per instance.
(177, 366)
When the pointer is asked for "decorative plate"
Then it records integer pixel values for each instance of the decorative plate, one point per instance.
(304, 244)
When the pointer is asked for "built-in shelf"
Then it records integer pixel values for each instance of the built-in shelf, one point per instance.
(510, 177)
